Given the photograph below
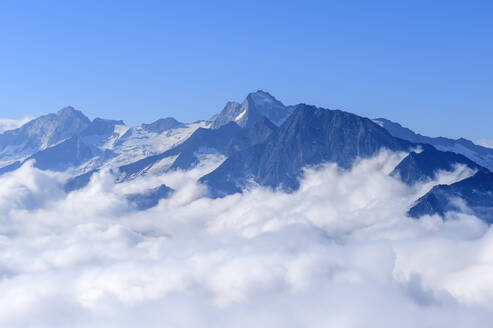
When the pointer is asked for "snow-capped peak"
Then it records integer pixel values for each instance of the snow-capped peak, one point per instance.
(256, 105)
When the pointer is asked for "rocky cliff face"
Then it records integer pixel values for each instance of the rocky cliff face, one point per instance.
(310, 136)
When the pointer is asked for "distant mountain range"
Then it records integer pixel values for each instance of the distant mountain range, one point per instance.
(481, 155)
(261, 141)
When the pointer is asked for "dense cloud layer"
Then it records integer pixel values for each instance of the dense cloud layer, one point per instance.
(340, 252)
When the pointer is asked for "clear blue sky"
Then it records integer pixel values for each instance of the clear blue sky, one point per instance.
(427, 64)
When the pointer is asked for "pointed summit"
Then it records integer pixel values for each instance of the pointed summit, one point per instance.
(42, 132)
(66, 110)
(255, 106)
(310, 136)
(261, 97)
(70, 111)
(229, 113)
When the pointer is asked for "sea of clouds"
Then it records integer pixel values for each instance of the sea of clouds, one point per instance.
(340, 252)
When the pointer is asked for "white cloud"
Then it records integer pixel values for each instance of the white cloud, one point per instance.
(339, 252)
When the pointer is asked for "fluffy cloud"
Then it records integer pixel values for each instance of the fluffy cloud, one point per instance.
(339, 252)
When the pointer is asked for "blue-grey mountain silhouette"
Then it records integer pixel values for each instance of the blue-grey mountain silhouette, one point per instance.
(42, 132)
(162, 125)
(479, 154)
(474, 195)
(310, 136)
(150, 198)
(423, 166)
(260, 142)
(79, 181)
(256, 105)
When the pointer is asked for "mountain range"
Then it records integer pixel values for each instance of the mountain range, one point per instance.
(260, 142)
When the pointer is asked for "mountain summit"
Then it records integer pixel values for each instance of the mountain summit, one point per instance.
(258, 142)
(256, 105)
(43, 132)
(310, 136)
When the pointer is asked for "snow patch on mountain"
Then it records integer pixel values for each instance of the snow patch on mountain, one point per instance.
(134, 143)
(160, 166)
(239, 117)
